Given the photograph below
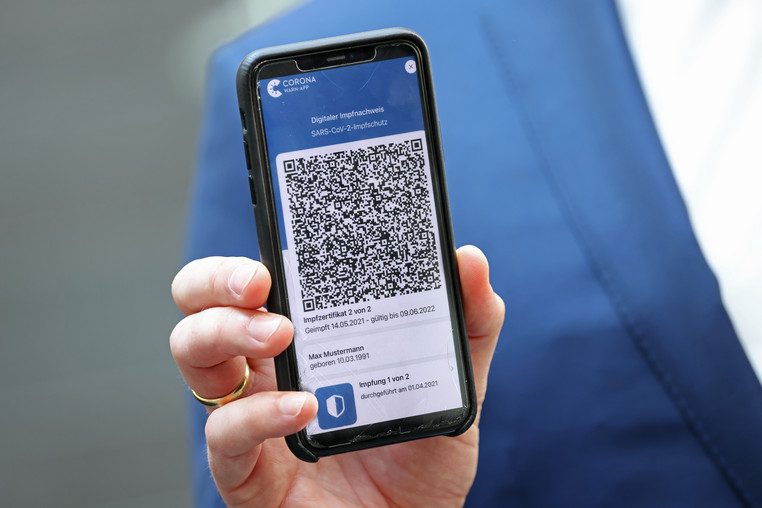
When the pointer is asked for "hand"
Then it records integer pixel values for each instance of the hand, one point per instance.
(251, 464)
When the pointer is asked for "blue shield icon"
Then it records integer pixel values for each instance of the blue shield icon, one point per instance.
(336, 406)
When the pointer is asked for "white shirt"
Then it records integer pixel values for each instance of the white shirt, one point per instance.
(700, 65)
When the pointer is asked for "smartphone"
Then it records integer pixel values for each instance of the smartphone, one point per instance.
(347, 180)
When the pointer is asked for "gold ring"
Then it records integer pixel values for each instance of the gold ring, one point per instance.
(230, 397)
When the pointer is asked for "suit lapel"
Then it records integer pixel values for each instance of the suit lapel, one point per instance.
(576, 88)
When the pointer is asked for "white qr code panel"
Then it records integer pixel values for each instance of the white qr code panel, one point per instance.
(360, 221)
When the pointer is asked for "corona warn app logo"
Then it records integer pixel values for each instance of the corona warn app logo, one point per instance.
(271, 88)
(336, 406)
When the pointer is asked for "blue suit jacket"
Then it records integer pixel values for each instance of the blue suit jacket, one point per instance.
(618, 379)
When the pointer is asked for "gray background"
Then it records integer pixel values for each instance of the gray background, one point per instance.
(99, 111)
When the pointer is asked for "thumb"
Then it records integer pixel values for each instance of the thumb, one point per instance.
(484, 311)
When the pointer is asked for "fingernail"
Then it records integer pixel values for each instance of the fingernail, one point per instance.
(292, 404)
(241, 277)
(262, 326)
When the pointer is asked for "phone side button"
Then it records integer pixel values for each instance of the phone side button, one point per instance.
(246, 151)
(251, 189)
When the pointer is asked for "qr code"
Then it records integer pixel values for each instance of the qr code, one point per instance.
(362, 222)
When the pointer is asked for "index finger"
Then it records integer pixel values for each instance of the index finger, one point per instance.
(221, 282)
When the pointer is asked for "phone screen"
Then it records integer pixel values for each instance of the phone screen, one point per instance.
(356, 204)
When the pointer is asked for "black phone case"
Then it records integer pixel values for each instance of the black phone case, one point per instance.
(267, 227)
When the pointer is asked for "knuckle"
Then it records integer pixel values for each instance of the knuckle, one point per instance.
(177, 341)
(186, 341)
(212, 333)
(200, 337)
(213, 432)
(221, 326)
(230, 319)
(218, 434)
(221, 322)
(179, 283)
(174, 287)
(192, 279)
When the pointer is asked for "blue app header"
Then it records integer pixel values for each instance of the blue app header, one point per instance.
(341, 105)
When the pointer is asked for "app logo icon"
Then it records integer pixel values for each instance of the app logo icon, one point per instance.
(336, 406)
(271, 88)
